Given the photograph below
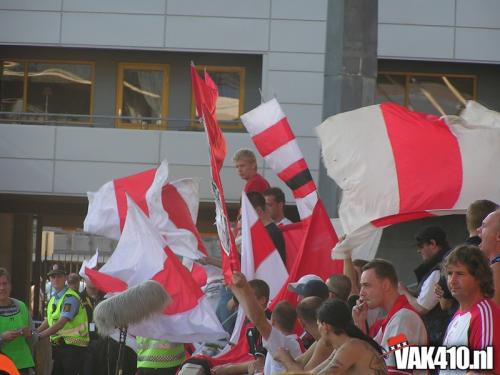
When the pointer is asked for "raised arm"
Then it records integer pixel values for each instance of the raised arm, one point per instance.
(246, 297)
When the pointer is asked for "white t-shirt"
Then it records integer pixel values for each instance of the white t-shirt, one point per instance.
(284, 221)
(278, 340)
(427, 298)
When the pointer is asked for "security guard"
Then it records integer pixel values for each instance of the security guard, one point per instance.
(158, 357)
(66, 324)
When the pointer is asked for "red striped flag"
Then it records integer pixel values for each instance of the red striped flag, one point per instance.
(395, 165)
(275, 141)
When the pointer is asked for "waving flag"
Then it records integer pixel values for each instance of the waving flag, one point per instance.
(172, 207)
(142, 254)
(275, 141)
(90, 263)
(259, 257)
(395, 165)
(314, 256)
(205, 94)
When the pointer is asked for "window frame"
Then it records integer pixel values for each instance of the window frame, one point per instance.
(52, 61)
(121, 67)
(407, 76)
(195, 124)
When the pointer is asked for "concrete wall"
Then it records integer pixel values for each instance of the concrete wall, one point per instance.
(448, 30)
(287, 36)
(71, 160)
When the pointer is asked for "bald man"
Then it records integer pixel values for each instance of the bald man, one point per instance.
(489, 232)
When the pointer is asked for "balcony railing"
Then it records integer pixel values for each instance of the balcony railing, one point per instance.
(111, 121)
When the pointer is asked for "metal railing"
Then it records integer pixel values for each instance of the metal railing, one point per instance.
(111, 121)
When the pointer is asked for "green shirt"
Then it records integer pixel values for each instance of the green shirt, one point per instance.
(12, 318)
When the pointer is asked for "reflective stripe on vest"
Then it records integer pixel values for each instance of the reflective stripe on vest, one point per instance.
(159, 353)
(74, 332)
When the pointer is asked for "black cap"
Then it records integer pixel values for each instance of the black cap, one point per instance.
(427, 234)
(57, 269)
(313, 288)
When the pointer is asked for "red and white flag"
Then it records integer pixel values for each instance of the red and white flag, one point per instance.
(259, 257)
(395, 165)
(142, 254)
(172, 207)
(205, 94)
(314, 255)
(259, 260)
(89, 263)
(276, 143)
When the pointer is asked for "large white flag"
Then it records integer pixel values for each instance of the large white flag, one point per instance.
(171, 207)
(142, 254)
(395, 165)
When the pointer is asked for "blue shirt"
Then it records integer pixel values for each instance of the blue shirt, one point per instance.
(70, 305)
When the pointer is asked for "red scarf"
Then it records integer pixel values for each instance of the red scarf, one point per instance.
(400, 303)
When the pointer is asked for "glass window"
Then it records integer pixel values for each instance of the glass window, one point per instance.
(12, 86)
(142, 96)
(48, 88)
(423, 92)
(60, 88)
(230, 103)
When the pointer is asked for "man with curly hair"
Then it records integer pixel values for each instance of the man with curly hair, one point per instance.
(476, 324)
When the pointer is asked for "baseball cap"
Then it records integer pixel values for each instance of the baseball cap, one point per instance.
(302, 281)
(57, 269)
(313, 288)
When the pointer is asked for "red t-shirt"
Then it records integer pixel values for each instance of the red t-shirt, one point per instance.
(257, 183)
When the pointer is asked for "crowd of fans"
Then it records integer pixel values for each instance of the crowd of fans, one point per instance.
(343, 324)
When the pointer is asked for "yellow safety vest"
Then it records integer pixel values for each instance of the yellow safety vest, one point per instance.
(153, 353)
(76, 331)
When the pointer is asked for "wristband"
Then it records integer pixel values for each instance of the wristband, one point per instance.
(495, 260)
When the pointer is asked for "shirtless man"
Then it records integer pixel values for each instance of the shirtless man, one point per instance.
(356, 352)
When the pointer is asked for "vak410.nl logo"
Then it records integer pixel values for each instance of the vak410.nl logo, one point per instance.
(410, 357)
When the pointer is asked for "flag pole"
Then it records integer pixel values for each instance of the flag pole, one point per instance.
(453, 89)
(433, 101)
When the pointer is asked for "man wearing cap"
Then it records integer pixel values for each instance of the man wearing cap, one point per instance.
(66, 325)
(432, 246)
(309, 286)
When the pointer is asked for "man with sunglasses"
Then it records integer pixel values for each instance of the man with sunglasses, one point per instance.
(66, 325)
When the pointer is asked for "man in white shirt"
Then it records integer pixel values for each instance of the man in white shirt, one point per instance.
(432, 246)
(379, 288)
(275, 205)
(275, 334)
